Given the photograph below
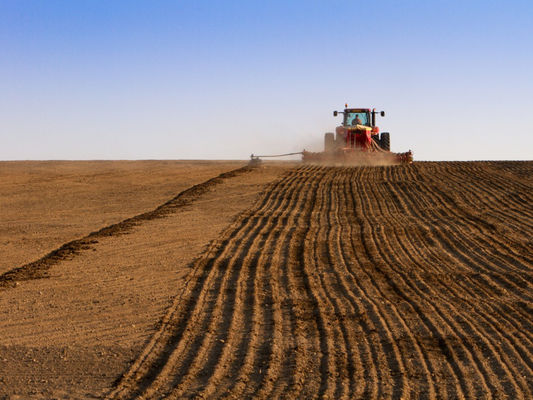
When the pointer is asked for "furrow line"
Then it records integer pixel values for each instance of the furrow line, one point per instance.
(249, 368)
(384, 209)
(155, 354)
(292, 352)
(472, 324)
(470, 222)
(354, 282)
(479, 188)
(320, 305)
(429, 244)
(310, 340)
(208, 341)
(361, 249)
(278, 370)
(39, 268)
(340, 347)
(485, 187)
(500, 253)
(462, 385)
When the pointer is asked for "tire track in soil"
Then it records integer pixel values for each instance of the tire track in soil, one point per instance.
(371, 282)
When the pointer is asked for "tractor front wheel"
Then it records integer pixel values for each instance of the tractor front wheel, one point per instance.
(385, 141)
(329, 142)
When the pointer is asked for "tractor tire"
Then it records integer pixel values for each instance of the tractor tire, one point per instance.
(375, 138)
(340, 141)
(329, 142)
(385, 141)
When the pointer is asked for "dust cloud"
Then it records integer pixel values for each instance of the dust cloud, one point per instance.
(357, 159)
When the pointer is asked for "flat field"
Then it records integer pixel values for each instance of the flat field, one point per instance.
(281, 281)
(45, 204)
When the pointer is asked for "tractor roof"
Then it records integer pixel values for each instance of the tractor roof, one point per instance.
(357, 110)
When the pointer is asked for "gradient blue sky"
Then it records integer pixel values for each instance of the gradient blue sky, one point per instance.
(223, 79)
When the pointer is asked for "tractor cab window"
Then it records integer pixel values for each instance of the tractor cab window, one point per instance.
(351, 118)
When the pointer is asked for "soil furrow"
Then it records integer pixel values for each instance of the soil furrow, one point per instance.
(441, 335)
(310, 368)
(481, 335)
(155, 355)
(290, 351)
(498, 201)
(255, 348)
(337, 346)
(197, 353)
(409, 329)
(498, 194)
(317, 311)
(494, 257)
(462, 334)
(415, 250)
(344, 261)
(357, 282)
(277, 357)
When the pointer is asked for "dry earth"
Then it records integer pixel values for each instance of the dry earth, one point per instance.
(72, 335)
(45, 204)
(359, 282)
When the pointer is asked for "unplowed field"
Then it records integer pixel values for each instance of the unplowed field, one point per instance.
(44, 204)
(371, 282)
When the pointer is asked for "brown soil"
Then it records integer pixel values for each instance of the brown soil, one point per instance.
(72, 335)
(358, 282)
(46, 204)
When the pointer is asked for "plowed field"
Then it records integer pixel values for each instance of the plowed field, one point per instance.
(396, 282)
(390, 282)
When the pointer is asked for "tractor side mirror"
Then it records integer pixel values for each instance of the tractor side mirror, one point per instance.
(335, 113)
(382, 113)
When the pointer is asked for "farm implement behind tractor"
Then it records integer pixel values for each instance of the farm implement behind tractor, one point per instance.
(357, 141)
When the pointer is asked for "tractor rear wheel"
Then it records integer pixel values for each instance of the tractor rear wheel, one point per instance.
(385, 141)
(329, 142)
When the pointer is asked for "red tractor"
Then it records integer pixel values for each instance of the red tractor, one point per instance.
(358, 140)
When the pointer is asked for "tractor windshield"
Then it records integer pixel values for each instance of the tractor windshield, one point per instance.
(351, 118)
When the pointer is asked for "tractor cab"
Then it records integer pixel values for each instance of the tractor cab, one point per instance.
(365, 115)
(356, 116)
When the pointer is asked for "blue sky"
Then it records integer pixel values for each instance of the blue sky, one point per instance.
(223, 79)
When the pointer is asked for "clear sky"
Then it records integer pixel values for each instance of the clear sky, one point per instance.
(199, 79)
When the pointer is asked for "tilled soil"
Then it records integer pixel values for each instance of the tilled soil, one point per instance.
(373, 282)
(359, 282)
